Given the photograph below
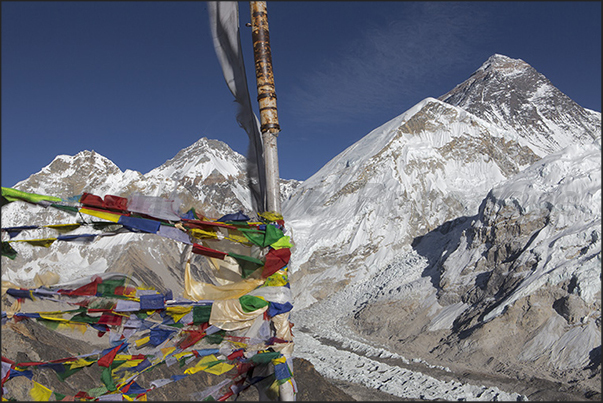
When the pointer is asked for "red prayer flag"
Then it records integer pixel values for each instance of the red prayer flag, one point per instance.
(7, 360)
(116, 202)
(276, 259)
(203, 250)
(110, 320)
(192, 337)
(88, 289)
(226, 396)
(235, 354)
(108, 358)
(83, 395)
(88, 199)
(124, 290)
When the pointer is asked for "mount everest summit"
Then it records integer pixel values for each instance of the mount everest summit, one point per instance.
(464, 234)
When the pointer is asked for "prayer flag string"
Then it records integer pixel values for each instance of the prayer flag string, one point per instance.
(221, 329)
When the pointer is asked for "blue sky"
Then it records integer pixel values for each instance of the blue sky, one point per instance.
(139, 81)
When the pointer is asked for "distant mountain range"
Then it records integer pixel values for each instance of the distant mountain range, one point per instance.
(466, 231)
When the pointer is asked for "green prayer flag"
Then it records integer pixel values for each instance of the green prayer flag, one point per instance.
(107, 287)
(96, 392)
(263, 238)
(58, 396)
(183, 360)
(201, 314)
(84, 318)
(107, 379)
(284, 242)
(215, 338)
(273, 234)
(51, 324)
(11, 194)
(68, 372)
(68, 209)
(141, 315)
(248, 264)
(8, 251)
(265, 358)
(251, 303)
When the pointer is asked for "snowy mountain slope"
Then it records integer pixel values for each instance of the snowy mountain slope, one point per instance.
(513, 95)
(401, 242)
(514, 290)
(431, 164)
(427, 166)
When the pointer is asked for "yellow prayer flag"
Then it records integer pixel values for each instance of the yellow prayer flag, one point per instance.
(219, 369)
(271, 215)
(80, 327)
(238, 344)
(183, 354)
(63, 326)
(206, 359)
(167, 350)
(237, 238)
(129, 362)
(277, 279)
(45, 242)
(53, 316)
(63, 228)
(202, 364)
(273, 391)
(142, 341)
(80, 362)
(280, 360)
(177, 312)
(40, 393)
(101, 214)
(202, 234)
(193, 370)
(128, 398)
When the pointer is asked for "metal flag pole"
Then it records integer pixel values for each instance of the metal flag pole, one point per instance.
(267, 101)
(270, 129)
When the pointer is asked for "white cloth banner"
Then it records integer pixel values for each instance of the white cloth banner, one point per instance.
(224, 23)
(158, 207)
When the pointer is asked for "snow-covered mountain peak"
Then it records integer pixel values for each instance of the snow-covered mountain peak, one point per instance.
(514, 96)
(70, 175)
(201, 159)
(87, 160)
(504, 65)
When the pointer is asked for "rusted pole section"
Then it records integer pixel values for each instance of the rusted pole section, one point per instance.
(267, 100)
(270, 129)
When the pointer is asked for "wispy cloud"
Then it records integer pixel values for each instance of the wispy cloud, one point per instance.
(392, 61)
